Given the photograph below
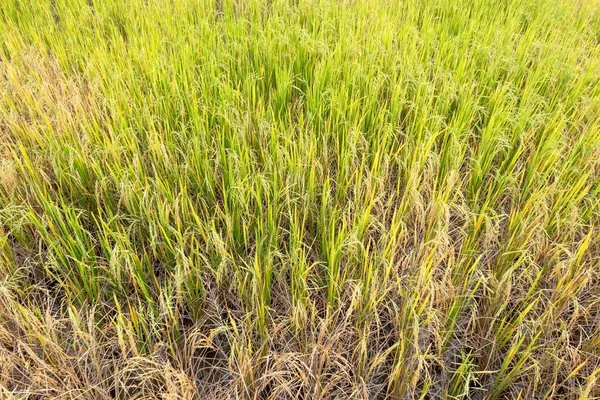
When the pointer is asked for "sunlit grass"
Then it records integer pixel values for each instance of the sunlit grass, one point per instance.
(300, 199)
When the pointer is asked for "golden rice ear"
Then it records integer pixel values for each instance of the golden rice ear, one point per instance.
(8, 174)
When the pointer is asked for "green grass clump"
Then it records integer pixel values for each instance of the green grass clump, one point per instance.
(305, 199)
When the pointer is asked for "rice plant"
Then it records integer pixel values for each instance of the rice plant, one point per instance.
(302, 199)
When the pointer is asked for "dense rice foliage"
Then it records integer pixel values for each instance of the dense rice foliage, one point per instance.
(309, 199)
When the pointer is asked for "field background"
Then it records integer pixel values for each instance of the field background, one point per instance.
(310, 199)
